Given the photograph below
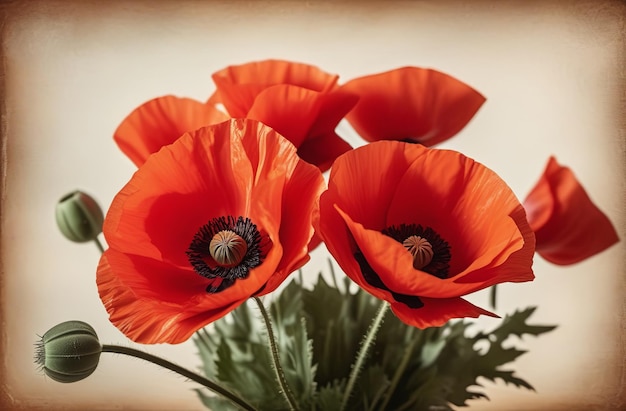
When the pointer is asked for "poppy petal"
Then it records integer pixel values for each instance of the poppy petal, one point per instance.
(174, 193)
(290, 110)
(323, 150)
(299, 197)
(337, 238)
(153, 303)
(240, 168)
(160, 122)
(394, 183)
(390, 260)
(307, 118)
(238, 85)
(568, 226)
(411, 103)
(475, 211)
(333, 108)
(323, 145)
(284, 191)
(394, 265)
(363, 180)
(437, 311)
(463, 201)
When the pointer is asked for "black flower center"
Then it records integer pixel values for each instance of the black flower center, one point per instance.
(430, 252)
(224, 250)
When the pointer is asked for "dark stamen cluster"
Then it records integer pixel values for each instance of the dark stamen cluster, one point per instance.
(440, 264)
(202, 262)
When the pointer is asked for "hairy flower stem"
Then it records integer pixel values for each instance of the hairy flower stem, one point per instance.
(408, 353)
(280, 374)
(362, 355)
(180, 370)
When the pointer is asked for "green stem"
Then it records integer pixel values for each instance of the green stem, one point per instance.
(99, 245)
(362, 355)
(280, 374)
(408, 353)
(492, 296)
(332, 273)
(179, 370)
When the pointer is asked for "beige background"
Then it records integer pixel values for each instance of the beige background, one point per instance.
(551, 73)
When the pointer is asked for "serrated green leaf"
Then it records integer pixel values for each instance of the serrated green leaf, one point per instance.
(329, 397)
(235, 352)
(461, 363)
(336, 322)
(515, 324)
(297, 362)
(318, 333)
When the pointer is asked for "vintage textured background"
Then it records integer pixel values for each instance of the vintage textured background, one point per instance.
(552, 73)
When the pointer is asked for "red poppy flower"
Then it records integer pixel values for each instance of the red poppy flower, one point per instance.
(297, 100)
(160, 122)
(222, 214)
(411, 104)
(567, 224)
(421, 227)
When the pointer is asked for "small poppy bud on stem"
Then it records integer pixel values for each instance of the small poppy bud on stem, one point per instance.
(69, 351)
(79, 217)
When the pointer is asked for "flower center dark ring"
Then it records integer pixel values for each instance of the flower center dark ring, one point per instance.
(430, 252)
(224, 250)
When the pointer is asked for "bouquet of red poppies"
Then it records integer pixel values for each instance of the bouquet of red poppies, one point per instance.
(207, 239)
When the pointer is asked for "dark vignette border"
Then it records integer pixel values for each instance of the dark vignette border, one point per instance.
(596, 12)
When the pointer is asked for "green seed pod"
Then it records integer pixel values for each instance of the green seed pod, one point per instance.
(69, 351)
(79, 217)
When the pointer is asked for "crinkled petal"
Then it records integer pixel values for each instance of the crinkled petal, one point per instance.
(238, 85)
(390, 260)
(284, 194)
(203, 175)
(296, 231)
(290, 110)
(363, 180)
(472, 209)
(434, 312)
(394, 265)
(160, 122)
(568, 226)
(410, 103)
(149, 289)
(393, 183)
(307, 118)
(150, 302)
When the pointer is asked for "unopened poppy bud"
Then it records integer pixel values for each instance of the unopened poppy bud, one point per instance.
(79, 217)
(69, 351)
